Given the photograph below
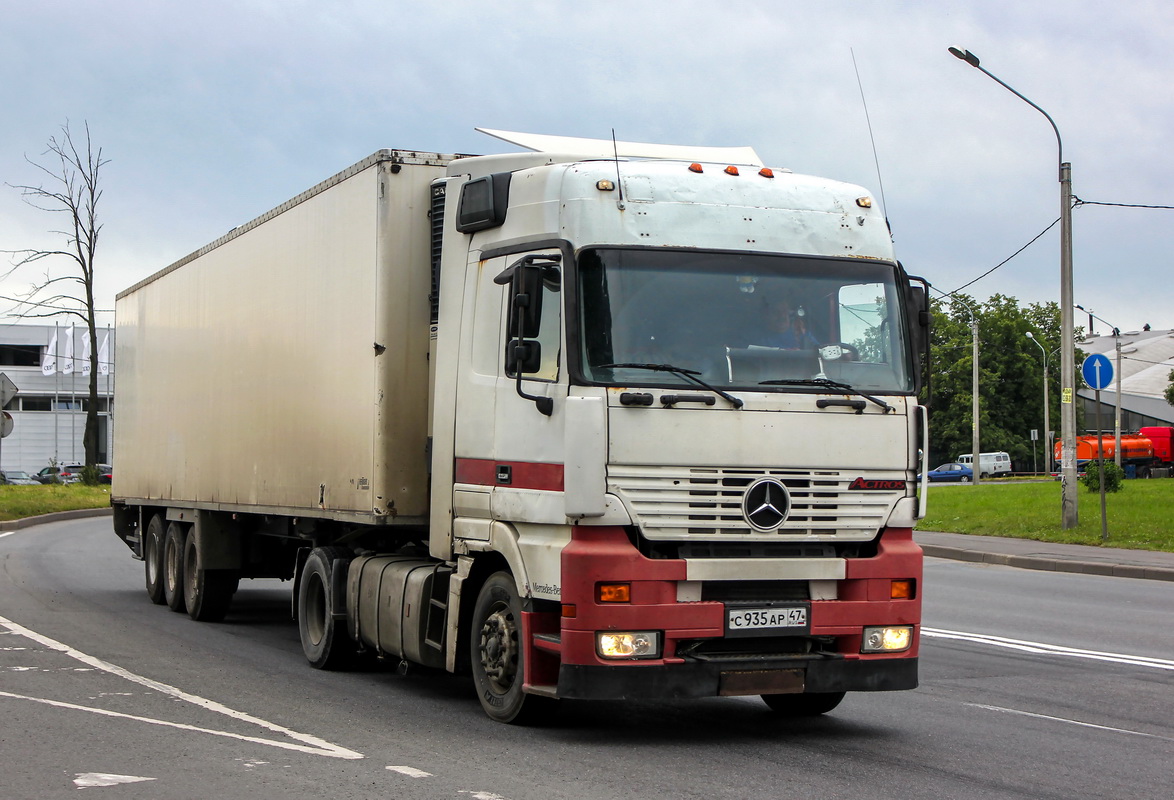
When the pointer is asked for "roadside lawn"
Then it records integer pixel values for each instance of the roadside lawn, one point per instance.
(18, 502)
(1140, 516)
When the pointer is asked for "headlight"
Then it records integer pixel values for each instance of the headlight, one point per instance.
(887, 640)
(634, 644)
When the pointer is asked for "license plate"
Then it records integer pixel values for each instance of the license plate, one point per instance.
(746, 621)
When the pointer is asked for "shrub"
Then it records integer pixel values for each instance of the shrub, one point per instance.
(1114, 477)
(90, 475)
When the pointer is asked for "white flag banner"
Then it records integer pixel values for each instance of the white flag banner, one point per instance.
(104, 355)
(86, 353)
(49, 362)
(67, 357)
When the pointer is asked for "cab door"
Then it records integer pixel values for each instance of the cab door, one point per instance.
(509, 432)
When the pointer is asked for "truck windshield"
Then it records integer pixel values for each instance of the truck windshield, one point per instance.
(762, 322)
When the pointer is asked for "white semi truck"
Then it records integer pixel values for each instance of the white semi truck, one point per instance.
(598, 420)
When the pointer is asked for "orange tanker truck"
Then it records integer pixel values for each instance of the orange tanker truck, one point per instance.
(1148, 448)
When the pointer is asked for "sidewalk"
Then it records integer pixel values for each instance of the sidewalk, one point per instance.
(1028, 554)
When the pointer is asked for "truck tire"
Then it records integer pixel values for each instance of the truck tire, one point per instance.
(498, 653)
(173, 543)
(207, 593)
(325, 640)
(152, 549)
(803, 705)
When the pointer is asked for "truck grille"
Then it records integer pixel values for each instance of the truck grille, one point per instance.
(699, 503)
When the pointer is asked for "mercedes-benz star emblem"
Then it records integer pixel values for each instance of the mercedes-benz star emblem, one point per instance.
(765, 504)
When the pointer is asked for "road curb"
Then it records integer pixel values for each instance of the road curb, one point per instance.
(60, 516)
(1046, 564)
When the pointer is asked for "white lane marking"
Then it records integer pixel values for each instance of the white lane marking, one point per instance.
(411, 772)
(312, 743)
(317, 751)
(1049, 649)
(481, 795)
(9, 533)
(1066, 721)
(86, 780)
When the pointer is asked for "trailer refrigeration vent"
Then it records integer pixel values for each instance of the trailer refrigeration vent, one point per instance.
(705, 503)
(436, 219)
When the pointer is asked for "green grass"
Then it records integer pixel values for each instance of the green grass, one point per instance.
(1140, 516)
(17, 502)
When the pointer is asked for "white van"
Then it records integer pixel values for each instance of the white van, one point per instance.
(989, 464)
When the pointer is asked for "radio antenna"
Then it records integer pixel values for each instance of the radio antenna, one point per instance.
(619, 186)
(876, 160)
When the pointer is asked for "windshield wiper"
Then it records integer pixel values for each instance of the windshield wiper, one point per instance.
(829, 384)
(688, 374)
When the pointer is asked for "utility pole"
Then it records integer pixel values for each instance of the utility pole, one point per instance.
(1068, 507)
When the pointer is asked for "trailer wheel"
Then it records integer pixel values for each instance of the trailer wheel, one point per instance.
(497, 652)
(152, 549)
(325, 640)
(207, 593)
(173, 566)
(803, 705)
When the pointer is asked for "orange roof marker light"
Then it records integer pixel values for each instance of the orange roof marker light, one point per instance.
(864, 202)
(766, 172)
(731, 170)
(695, 167)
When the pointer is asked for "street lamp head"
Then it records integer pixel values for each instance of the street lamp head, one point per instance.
(1030, 335)
(967, 56)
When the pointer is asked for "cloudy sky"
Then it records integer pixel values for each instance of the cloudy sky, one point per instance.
(213, 112)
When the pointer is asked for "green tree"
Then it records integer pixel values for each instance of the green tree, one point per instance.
(1170, 389)
(1011, 377)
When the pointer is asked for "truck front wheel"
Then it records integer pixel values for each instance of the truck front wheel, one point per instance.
(152, 549)
(497, 651)
(803, 705)
(325, 640)
(173, 566)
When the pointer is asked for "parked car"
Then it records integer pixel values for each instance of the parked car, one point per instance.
(952, 471)
(16, 477)
(60, 473)
(71, 473)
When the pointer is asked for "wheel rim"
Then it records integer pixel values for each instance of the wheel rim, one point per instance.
(190, 569)
(499, 648)
(315, 610)
(171, 559)
(152, 558)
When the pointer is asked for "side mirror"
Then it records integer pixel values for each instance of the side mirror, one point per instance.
(527, 277)
(522, 357)
(526, 309)
(917, 309)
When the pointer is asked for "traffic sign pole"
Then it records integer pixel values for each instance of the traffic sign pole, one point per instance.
(1101, 467)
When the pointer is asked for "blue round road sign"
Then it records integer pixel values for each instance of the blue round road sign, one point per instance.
(1097, 370)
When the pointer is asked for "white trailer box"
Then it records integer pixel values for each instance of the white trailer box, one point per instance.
(284, 367)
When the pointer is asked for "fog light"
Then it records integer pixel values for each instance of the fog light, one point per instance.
(887, 640)
(634, 644)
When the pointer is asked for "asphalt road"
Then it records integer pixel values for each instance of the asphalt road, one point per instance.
(1034, 685)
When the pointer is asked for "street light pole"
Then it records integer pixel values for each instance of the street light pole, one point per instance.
(1047, 428)
(975, 455)
(1068, 510)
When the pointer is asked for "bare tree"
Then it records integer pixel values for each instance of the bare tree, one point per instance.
(70, 187)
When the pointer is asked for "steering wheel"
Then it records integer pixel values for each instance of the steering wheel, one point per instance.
(847, 351)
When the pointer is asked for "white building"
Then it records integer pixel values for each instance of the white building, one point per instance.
(1147, 357)
(49, 411)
